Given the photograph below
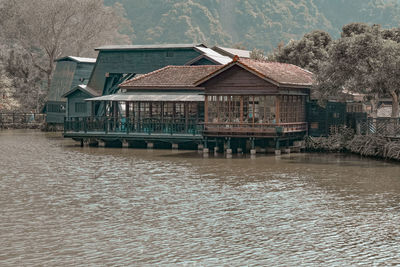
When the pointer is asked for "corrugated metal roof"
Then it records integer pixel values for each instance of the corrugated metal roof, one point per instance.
(214, 56)
(78, 59)
(141, 47)
(150, 97)
(233, 51)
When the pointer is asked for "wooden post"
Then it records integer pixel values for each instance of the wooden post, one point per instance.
(253, 112)
(115, 114)
(241, 109)
(186, 112)
(205, 110)
(277, 109)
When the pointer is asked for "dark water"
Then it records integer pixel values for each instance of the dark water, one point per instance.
(65, 205)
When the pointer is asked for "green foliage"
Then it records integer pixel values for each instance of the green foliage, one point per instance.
(261, 24)
(307, 52)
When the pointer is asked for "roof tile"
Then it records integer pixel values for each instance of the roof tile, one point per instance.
(171, 76)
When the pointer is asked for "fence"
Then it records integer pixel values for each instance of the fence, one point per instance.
(389, 127)
(144, 125)
(21, 120)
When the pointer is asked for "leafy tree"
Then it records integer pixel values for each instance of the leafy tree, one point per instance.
(47, 30)
(362, 61)
(257, 54)
(307, 52)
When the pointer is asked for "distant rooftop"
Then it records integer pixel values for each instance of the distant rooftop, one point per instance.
(142, 47)
(78, 59)
(212, 56)
(231, 52)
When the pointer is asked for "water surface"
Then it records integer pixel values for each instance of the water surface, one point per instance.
(66, 205)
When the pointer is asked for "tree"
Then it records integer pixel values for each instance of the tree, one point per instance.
(7, 101)
(307, 52)
(257, 54)
(362, 61)
(47, 30)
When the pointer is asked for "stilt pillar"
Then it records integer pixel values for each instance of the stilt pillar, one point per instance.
(175, 146)
(150, 145)
(125, 144)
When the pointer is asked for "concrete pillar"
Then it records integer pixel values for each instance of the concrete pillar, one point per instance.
(150, 145)
(101, 143)
(175, 146)
(253, 152)
(277, 152)
(216, 149)
(125, 144)
(200, 147)
(229, 151)
(286, 150)
(205, 152)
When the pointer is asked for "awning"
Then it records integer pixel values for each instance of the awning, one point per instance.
(150, 97)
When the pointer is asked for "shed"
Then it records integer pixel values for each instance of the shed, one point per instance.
(76, 104)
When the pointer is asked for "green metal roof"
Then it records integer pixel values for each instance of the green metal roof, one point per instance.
(144, 47)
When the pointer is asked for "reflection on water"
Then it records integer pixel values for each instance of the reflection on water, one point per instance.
(66, 205)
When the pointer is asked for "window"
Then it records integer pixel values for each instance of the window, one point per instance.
(80, 107)
(55, 108)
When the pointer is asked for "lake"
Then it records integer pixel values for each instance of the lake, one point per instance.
(66, 205)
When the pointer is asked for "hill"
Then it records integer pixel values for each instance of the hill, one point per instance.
(249, 23)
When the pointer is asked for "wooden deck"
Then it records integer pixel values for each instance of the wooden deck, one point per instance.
(253, 130)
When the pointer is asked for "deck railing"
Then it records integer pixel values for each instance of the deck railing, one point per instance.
(21, 119)
(389, 127)
(122, 125)
(256, 128)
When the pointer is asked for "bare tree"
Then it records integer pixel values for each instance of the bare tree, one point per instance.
(47, 29)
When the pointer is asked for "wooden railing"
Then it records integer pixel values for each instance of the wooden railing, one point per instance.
(261, 128)
(122, 125)
(21, 119)
(389, 127)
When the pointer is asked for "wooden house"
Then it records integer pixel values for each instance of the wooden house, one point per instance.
(70, 72)
(242, 104)
(260, 102)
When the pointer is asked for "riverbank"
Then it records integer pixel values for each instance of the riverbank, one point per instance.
(368, 146)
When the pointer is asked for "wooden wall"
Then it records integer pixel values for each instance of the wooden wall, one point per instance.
(237, 80)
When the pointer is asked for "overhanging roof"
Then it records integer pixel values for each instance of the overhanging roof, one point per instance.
(78, 59)
(83, 88)
(153, 97)
(145, 47)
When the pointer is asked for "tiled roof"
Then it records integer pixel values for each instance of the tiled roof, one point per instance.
(171, 76)
(282, 73)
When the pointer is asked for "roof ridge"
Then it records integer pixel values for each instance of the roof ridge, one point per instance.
(145, 75)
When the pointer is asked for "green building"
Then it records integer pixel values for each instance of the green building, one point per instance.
(70, 72)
